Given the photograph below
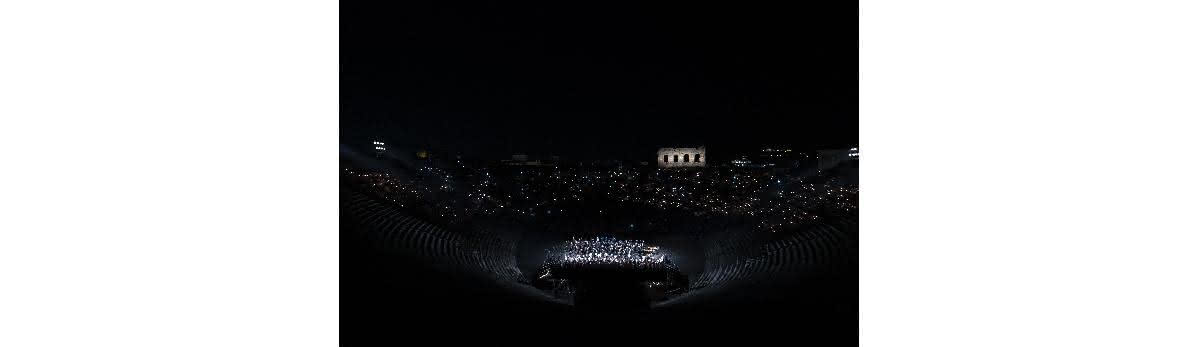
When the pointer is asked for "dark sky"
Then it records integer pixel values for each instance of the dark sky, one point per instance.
(598, 79)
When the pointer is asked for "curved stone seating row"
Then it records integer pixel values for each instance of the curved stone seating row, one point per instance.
(392, 230)
(497, 257)
(820, 247)
(725, 253)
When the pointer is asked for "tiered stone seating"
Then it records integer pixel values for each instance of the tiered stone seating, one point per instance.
(739, 264)
(484, 255)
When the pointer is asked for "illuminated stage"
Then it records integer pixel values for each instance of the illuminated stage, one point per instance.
(609, 273)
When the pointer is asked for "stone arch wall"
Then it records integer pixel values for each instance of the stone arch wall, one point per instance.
(681, 157)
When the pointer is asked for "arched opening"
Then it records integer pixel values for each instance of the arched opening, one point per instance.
(697, 157)
(676, 158)
(685, 158)
(665, 158)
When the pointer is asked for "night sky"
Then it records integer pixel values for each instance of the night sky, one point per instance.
(598, 80)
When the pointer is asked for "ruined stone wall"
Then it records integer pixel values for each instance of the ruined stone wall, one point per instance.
(681, 157)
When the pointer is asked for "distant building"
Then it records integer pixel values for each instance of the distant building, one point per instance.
(380, 148)
(743, 161)
(776, 156)
(524, 160)
(681, 157)
(830, 158)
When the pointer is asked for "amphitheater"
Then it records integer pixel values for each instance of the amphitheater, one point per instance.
(483, 276)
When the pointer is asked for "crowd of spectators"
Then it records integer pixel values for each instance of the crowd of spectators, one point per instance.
(772, 201)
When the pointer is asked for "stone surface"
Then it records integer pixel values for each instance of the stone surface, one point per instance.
(681, 157)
